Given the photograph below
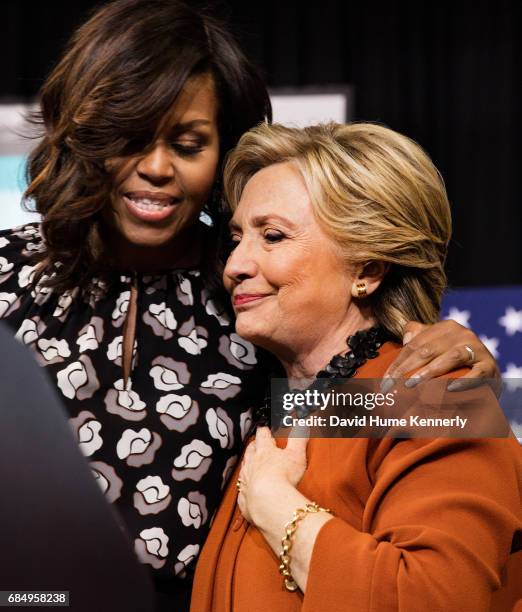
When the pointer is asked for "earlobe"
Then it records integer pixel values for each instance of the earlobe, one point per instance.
(361, 289)
(369, 278)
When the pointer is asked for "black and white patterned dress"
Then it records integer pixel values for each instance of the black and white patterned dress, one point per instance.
(162, 446)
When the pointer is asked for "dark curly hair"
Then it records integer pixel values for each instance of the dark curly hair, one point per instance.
(120, 74)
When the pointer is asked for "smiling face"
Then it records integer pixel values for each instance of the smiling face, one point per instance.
(159, 194)
(290, 287)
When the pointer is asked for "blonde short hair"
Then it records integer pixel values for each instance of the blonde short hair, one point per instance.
(376, 193)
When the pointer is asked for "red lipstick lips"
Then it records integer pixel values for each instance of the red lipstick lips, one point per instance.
(245, 298)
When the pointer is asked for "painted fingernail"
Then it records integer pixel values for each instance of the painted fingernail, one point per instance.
(387, 383)
(407, 337)
(455, 385)
(413, 381)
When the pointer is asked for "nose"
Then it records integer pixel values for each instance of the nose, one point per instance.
(157, 166)
(241, 264)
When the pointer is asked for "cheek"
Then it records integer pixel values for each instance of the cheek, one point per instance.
(315, 286)
(301, 298)
(197, 178)
(283, 270)
(229, 286)
(297, 292)
(119, 171)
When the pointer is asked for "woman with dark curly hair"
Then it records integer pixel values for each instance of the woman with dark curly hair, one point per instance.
(117, 291)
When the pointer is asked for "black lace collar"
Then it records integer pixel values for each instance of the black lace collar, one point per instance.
(362, 345)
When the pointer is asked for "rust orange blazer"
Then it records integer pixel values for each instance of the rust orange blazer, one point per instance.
(419, 525)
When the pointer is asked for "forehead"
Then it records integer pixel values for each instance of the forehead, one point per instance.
(276, 190)
(196, 101)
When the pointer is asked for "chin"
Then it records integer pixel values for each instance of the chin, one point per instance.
(255, 333)
(248, 330)
(147, 236)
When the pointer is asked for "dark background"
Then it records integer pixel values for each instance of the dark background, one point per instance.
(446, 74)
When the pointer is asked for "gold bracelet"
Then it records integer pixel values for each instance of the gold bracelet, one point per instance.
(286, 542)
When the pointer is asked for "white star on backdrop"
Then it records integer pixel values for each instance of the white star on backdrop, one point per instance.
(512, 377)
(511, 321)
(517, 430)
(491, 345)
(460, 316)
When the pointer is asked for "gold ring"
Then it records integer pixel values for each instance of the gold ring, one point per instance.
(238, 485)
(471, 353)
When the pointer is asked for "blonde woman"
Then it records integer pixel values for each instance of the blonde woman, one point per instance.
(340, 235)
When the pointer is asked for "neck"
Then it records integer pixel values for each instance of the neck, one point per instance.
(180, 252)
(307, 361)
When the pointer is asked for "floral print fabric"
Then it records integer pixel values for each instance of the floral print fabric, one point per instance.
(163, 445)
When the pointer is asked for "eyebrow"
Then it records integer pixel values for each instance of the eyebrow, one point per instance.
(188, 125)
(261, 220)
